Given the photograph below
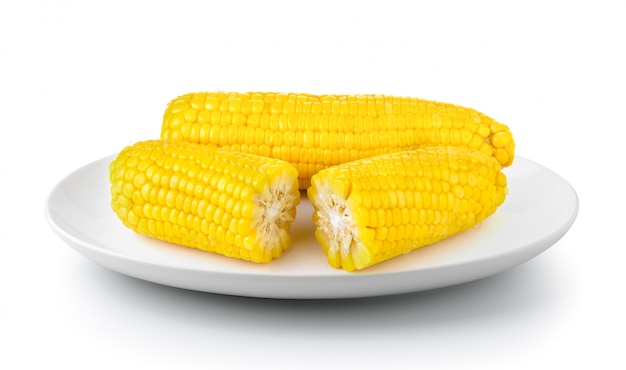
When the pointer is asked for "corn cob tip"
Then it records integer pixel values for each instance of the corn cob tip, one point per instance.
(336, 230)
(277, 210)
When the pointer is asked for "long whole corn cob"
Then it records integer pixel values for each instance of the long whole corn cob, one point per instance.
(317, 131)
(374, 209)
(236, 204)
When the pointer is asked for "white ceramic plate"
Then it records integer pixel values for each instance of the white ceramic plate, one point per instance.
(539, 210)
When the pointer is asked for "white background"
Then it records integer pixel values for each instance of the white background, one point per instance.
(81, 79)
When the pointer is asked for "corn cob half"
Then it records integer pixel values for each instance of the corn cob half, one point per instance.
(236, 204)
(374, 209)
(317, 131)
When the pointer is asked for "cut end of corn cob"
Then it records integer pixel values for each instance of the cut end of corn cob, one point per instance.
(235, 204)
(317, 131)
(374, 209)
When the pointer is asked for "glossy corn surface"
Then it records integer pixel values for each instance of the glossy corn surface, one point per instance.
(235, 204)
(317, 131)
(374, 209)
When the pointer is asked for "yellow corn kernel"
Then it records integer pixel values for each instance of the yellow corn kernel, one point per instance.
(204, 197)
(346, 127)
(370, 210)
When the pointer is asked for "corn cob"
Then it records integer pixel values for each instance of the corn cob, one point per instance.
(235, 204)
(374, 209)
(316, 131)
